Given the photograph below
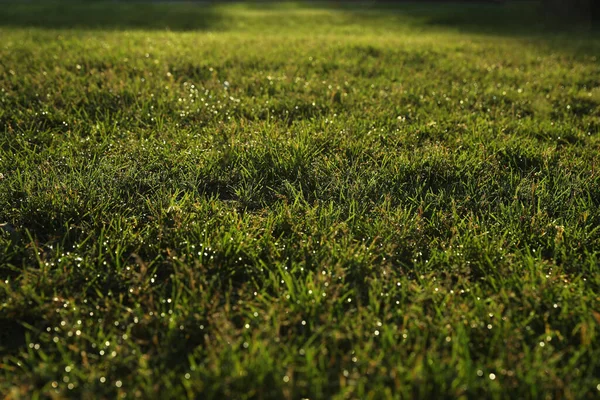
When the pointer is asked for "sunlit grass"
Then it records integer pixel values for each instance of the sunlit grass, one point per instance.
(297, 202)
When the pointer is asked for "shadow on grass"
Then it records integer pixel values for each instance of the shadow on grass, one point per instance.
(510, 18)
(514, 19)
(522, 20)
(184, 16)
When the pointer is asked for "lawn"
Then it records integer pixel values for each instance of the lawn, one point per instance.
(298, 201)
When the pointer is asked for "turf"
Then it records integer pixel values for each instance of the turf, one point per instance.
(298, 201)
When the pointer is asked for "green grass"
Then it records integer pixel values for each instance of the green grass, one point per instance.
(287, 201)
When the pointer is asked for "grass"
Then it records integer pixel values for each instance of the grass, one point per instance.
(298, 201)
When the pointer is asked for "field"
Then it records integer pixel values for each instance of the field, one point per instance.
(298, 201)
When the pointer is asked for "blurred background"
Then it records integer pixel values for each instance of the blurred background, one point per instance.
(517, 16)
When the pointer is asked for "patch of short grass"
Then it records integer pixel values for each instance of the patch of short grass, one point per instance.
(288, 201)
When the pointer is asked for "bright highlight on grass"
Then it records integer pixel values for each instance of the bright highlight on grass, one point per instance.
(287, 201)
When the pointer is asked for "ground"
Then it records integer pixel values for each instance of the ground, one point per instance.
(287, 201)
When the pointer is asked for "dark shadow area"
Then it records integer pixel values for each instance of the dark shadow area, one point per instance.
(529, 17)
(12, 336)
(116, 15)
(530, 21)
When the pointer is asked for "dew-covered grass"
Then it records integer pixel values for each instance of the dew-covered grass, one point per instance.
(287, 201)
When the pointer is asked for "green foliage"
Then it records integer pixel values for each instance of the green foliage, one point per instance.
(297, 202)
